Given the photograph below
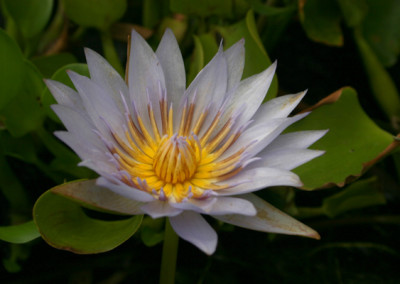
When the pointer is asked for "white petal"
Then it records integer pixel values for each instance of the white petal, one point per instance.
(209, 87)
(286, 159)
(259, 135)
(300, 139)
(125, 190)
(251, 93)
(278, 107)
(232, 205)
(191, 227)
(89, 193)
(259, 178)
(157, 209)
(171, 61)
(269, 219)
(145, 78)
(253, 135)
(100, 107)
(80, 137)
(106, 77)
(198, 205)
(265, 140)
(99, 164)
(94, 157)
(64, 95)
(73, 120)
(235, 59)
(218, 206)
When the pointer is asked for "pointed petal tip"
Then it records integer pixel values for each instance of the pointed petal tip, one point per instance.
(312, 234)
(272, 68)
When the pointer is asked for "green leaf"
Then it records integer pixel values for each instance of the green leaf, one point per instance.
(321, 21)
(19, 234)
(152, 231)
(353, 140)
(353, 11)
(153, 12)
(256, 58)
(202, 8)
(276, 21)
(358, 195)
(381, 29)
(205, 47)
(31, 16)
(49, 64)
(61, 76)
(383, 87)
(64, 225)
(95, 13)
(267, 10)
(11, 69)
(24, 112)
(11, 187)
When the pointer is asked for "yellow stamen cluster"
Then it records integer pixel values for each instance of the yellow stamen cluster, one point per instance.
(175, 166)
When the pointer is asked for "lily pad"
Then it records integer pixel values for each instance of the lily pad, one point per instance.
(64, 225)
(353, 141)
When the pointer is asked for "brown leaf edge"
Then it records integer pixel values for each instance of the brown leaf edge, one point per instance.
(332, 98)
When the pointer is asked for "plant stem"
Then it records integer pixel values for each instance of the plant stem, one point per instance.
(169, 255)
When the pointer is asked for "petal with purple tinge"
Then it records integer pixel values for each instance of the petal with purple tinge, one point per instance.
(171, 61)
(269, 219)
(125, 190)
(191, 227)
(157, 209)
(258, 178)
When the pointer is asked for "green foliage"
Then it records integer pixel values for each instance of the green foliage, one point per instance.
(19, 234)
(256, 57)
(321, 21)
(30, 16)
(348, 143)
(205, 48)
(12, 69)
(48, 65)
(355, 208)
(64, 225)
(380, 29)
(361, 194)
(24, 112)
(84, 14)
(202, 8)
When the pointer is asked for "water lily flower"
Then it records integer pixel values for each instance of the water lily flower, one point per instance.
(182, 152)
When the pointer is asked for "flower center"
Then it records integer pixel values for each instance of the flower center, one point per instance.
(173, 166)
(176, 159)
